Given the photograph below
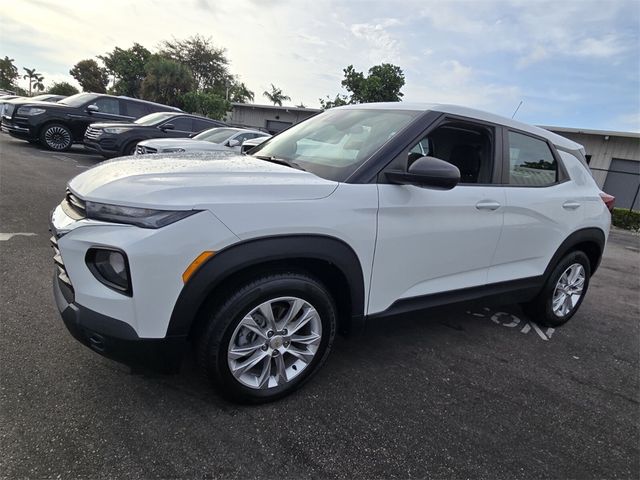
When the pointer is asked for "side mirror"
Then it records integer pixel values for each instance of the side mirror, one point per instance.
(92, 108)
(233, 143)
(167, 126)
(427, 172)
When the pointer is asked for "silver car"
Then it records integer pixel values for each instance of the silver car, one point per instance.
(219, 138)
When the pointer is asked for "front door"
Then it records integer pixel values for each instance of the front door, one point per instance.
(431, 241)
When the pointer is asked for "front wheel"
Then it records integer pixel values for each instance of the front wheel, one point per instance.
(563, 292)
(56, 136)
(269, 337)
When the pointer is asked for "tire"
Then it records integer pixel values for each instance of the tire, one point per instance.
(542, 310)
(56, 136)
(273, 375)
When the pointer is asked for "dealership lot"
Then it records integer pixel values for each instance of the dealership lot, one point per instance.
(467, 392)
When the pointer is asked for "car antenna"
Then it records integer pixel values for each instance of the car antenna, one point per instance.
(517, 108)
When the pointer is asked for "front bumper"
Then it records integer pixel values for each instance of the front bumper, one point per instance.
(115, 339)
(18, 129)
(105, 147)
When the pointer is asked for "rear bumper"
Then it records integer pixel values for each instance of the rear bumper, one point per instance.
(115, 339)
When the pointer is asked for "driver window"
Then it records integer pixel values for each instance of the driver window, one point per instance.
(467, 146)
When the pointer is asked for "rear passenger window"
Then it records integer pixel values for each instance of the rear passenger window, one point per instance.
(531, 162)
(136, 110)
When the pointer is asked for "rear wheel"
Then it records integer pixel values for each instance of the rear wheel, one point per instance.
(268, 338)
(563, 292)
(56, 136)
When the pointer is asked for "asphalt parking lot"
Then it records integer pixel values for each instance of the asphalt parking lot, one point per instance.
(468, 392)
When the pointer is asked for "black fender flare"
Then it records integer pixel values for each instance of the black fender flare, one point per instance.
(244, 254)
(584, 235)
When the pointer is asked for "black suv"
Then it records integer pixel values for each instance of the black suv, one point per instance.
(115, 139)
(58, 125)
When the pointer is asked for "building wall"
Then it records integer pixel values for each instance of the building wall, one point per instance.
(602, 151)
(265, 117)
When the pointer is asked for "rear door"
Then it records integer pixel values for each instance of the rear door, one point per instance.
(433, 241)
(542, 207)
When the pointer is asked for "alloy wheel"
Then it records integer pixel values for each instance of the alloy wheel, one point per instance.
(274, 343)
(57, 138)
(569, 289)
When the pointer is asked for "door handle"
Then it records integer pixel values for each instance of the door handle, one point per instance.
(570, 205)
(487, 205)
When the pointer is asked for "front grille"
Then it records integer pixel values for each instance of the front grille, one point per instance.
(92, 133)
(142, 150)
(57, 260)
(74, 206)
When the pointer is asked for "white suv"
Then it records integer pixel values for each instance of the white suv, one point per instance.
(362, 211)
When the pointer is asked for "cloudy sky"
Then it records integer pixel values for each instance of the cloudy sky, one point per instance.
(572, 62)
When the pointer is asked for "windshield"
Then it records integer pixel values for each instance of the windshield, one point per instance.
(78, 99)
(154, 118)
(335, 143)
(215, 135)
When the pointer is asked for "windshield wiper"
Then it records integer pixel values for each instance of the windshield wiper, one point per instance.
(280, 161)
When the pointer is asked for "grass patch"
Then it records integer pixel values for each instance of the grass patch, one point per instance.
(623, 218)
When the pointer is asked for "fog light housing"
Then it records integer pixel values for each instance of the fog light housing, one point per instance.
(111, 268)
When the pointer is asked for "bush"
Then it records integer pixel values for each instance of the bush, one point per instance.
(63, 88)
(210, 105)
(624, 218)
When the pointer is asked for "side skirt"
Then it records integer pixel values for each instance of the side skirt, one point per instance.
(515, 291)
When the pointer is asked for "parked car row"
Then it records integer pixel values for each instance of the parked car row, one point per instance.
(116, 126)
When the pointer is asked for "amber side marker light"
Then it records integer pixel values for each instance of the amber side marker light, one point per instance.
(193, 266)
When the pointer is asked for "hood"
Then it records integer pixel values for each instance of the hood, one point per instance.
(20, 102)
(186, 143)
(117, 124)
(193, 181)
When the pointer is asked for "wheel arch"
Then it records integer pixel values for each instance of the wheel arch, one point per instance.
(589, 240)
(329, 259)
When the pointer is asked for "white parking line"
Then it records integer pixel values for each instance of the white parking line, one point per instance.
(7, 236)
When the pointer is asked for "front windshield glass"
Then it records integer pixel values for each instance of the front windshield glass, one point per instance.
(335, 143)
(215, 135)
(154, 118)
(78, 99)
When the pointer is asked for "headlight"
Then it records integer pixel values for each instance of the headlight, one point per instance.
(173, 150)
(110, 267)
(116, 129)
(141, 217)
(30, 111)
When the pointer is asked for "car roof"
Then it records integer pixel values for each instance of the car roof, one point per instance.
(472, 113)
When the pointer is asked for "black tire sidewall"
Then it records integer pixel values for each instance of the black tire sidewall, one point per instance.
(227, 317)
(43, 140)
(545, 300)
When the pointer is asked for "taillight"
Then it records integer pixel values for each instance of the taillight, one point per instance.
(609, 200)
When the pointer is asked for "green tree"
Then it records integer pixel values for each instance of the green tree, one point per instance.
(8, 73)
(34, 78)
(239, 92)
(208, 64)
(326, 103)
(276, 96)
(91, 76)
(211, 105)
(166, 80)
(62, 88)
(127, 68)
(382, 84)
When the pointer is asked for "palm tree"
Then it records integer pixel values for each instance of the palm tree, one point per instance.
(276, 96)
(241, 94)
(35, 79)
(37, 83)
